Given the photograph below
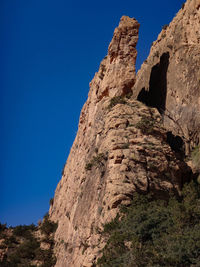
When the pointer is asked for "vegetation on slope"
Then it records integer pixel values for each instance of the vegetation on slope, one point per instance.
(155, 233)
(28, 245)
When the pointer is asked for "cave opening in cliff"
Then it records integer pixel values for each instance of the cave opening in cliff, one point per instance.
(155, 95)
(176, 143)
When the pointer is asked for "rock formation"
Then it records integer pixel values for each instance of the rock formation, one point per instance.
(170, 77)
(121, 147)
(78, 202)
(130, 137)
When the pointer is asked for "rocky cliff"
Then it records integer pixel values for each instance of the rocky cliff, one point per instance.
(170, 77)
(134, 135)
(121, 145)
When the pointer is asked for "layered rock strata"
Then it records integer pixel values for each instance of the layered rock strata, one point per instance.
(120, 148)
(170, 77)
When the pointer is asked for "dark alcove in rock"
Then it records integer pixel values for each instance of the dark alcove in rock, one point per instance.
(176, 143)
(155, 95)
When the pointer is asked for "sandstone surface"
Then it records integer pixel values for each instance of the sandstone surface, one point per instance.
(170, 77)
(130, 136)
(121, 147)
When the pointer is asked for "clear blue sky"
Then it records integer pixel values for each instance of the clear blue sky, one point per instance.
(49, 53)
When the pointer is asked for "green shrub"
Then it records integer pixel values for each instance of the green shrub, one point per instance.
(96, 161)
(23, 248)
(27, 249)
(2, 227)
(48, 226)
(13, 259)
(116, 100)
(125, 146)
(10, 241)
(155, 233)
(22, 254)
(47, 256)
(24, 230)
(88, 166)
(146, 125)
(50, 260)
(99, 158)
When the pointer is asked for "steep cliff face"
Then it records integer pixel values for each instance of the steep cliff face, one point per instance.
(170, 77)
(121, 147)
(78, 200)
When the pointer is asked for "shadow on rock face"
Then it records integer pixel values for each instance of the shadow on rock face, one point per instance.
(176, 142)
(155, 95)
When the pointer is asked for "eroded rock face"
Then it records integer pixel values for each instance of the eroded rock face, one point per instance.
(116, 75)
(170, 77)
(76, 204)
(120, 148)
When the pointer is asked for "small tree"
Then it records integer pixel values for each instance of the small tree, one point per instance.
(48, 226)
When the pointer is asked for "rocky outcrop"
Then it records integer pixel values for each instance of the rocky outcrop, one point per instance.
(170, 77)
(120, 147)
(28, 245)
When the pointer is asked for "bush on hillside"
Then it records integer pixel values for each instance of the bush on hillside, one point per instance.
(24, 230)
(47, 226)
(146, 125)
(155, 233)
(23, 247)
(116, 100)
(2, 227)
